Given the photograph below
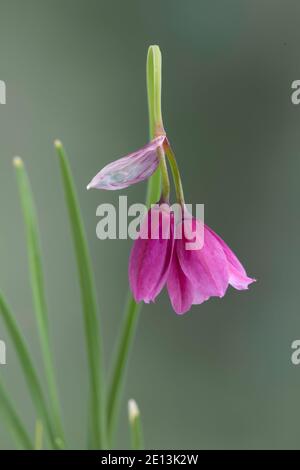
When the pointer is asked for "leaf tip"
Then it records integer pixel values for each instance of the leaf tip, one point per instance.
(58, 144)
(18, 162)
(133, 410)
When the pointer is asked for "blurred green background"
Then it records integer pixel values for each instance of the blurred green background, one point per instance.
(220, 376)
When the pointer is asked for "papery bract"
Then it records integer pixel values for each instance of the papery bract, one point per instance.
(131, 169)
(151, 254)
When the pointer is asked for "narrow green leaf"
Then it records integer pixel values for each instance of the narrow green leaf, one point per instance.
(38, 439)
(38, 289)
(135, 425)
(26, 362)
(120, 364)
(13, 422)
(97, 418)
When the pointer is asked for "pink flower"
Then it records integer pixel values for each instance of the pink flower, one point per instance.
(151, 254)
(133, 168)
(195, 264)
(196, 275)
(193, 271)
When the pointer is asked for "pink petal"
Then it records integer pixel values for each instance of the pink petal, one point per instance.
(237, 274)
(237, 280)
(207, 267)
(180, 288)
(150, 257)
(133, 168)
(182, 292)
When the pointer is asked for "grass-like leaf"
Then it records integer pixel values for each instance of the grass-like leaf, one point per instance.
(26, 362)
(120, 364)
(13, 422)
(97, 418)
(38, 290)
(38, 438)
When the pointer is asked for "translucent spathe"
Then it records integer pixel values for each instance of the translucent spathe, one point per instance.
(131, 169)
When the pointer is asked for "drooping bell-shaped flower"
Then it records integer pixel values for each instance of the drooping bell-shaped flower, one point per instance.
(131, 169)
(151, 254)
(205, 271)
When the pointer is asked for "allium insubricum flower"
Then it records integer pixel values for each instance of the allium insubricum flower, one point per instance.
(162, 253)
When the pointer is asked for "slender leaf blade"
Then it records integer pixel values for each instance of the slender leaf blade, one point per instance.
(38, 288)
(13, 421)
(119, 367)
(27, 366)
(97, 417)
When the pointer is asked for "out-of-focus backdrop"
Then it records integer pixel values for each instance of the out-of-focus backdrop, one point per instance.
(220, 376)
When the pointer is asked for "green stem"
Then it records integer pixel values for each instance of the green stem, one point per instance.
(120, 364)
(38, 439)
(97, 417)
(156, 127)
(165, 182)
(153, 71)
(38, 290)
(126, 337)
(175, 171)
(7, 410)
